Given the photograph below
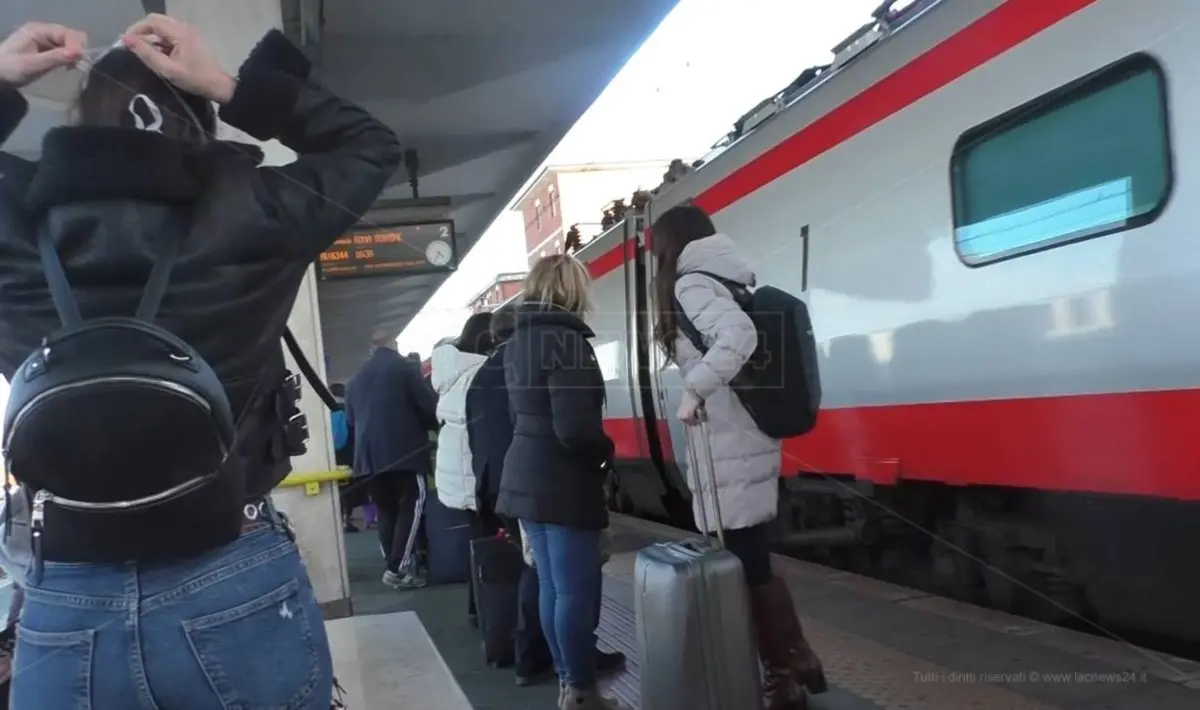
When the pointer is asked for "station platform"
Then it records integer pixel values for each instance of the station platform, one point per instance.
(884, 647)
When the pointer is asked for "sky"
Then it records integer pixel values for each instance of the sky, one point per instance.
(701, 70)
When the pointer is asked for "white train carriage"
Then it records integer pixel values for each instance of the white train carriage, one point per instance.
(986, 205)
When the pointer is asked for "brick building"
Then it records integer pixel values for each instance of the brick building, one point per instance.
(502, 288)
(566, 195)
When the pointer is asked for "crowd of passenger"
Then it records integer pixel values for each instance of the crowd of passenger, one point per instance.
(516, 403)
(522, 447)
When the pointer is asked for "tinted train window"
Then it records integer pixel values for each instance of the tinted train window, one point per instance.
(1088, 159)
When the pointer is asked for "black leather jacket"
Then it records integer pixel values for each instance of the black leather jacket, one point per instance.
(107, 194)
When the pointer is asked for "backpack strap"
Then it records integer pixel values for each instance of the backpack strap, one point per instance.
(60, 288)
(309, 372)
(160, 273)
(741, 292)
(689, 329)
(56, 279)
(741, 295)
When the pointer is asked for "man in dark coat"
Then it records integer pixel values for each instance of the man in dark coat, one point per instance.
(391, 409)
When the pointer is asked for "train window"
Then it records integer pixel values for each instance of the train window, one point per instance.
(1088, 159)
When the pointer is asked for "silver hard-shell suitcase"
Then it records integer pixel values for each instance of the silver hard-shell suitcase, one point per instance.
(694, 632)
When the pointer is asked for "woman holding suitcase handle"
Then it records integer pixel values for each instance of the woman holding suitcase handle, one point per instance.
(745, 461)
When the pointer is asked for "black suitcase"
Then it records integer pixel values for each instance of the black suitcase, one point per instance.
(496, 566)
(448, 532)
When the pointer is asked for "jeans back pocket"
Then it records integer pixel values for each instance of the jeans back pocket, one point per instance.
(261, 655)
(53, 669)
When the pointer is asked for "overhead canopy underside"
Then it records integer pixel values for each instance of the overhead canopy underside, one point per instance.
(482, 90)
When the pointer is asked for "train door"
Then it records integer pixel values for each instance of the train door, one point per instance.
(611, 342)
(660, 387)
(618, 319)
(614, 323)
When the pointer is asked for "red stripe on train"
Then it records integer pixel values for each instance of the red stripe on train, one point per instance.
(629, 437)
(611, 260)
(1138, 443)
(983, 40)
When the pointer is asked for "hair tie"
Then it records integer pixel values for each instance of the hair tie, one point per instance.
(155, 126)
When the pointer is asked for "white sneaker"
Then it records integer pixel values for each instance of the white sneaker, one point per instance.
(402, 581)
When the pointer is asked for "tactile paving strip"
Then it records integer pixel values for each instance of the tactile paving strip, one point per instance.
(888, 677)
(617, 631)
(899, 681)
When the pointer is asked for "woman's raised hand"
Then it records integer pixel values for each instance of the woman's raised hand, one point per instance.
(37, 49)
(175, 51)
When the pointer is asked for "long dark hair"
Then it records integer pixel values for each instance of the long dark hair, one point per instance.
(670, 233)
(504, 322)
(117, 77)
(476, 336)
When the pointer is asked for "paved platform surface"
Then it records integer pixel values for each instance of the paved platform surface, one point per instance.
(884, 647)
(443, 613)
(389, 661)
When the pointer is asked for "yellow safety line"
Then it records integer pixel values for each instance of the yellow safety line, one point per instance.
(317, 477)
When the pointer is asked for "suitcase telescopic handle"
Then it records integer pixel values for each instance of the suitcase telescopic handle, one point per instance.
(699, 432)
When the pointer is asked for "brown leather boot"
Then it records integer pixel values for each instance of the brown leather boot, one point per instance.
(789, 663)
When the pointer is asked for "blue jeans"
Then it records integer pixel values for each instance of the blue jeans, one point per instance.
(570, 579)
(237, 627)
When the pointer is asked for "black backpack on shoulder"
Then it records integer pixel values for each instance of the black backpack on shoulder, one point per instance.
(115, 395)
(779, 385)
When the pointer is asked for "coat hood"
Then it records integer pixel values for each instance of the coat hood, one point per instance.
(719, 256)
(447, 364)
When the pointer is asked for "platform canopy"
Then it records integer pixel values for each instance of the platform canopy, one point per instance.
(482, 90)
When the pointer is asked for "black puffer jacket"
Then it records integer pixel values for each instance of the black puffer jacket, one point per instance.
(107, 194)
(489, 428)
(556, 467)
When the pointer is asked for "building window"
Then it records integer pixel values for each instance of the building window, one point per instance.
(1088, 159)
(537, 214)
(553, 198)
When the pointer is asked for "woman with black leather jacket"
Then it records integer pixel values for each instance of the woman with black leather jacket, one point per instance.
(178, 605)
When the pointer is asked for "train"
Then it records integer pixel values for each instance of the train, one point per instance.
(984, 204)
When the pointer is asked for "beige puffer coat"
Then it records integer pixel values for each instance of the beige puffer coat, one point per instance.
(746, 461)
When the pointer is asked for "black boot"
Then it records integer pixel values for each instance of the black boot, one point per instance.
(789, 663)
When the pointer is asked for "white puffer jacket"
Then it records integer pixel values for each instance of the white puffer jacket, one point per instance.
(451, 372)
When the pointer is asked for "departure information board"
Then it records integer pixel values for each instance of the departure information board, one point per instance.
(393, 250)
